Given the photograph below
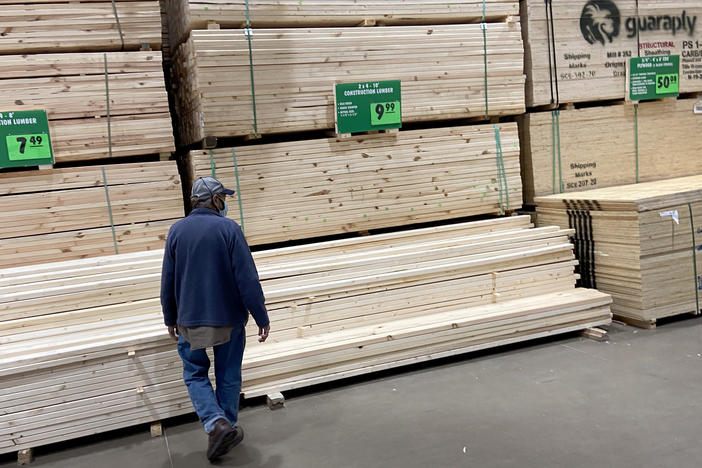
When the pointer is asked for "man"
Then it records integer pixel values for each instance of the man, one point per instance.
(209, 284)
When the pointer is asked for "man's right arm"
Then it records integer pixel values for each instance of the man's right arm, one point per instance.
(248, 281)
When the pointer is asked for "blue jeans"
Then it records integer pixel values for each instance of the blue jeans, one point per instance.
(224, 402)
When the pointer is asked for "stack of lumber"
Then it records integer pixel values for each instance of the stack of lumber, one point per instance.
(186, 15)
(38, 26)
(321, 187)
(640, 243)
(441, 69)
(73, 89)
(611, 145)
(581, 51)
(61, 214)
(85, 349)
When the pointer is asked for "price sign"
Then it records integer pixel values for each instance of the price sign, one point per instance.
(384, 113)
(24, 139)
(368, 105)
(654, 77)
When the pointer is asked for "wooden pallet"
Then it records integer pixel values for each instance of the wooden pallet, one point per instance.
(441, 68)
(611, 145)
(329, 186)
(635, 242)
(563, 66)
(72, 89)
(38, 26)
(187, 15)
(61, 214)
(87, 351)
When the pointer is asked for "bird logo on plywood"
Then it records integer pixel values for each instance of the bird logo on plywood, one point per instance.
(600, 21)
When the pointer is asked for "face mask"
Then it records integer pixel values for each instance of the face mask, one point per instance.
(224, 210)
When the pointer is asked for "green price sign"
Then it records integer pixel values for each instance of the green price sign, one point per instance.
(24, 139)
(385, 113)
(368, 105)
(654, 77)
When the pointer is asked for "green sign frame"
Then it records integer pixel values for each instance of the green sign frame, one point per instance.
(654, 77)
(368, 105)
(25, 139)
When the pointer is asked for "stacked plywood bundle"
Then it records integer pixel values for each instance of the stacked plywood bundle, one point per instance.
(442, 69)
(589, 148)
(72, 213)
(329, 186)
(87, 351)
(74, 87)
(578, 50)
(187, 15)
(640, 243)
(39, 26)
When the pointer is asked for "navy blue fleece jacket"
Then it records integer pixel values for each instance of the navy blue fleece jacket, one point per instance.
(209, 277)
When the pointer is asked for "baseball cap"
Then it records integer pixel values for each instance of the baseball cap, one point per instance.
(208, 187)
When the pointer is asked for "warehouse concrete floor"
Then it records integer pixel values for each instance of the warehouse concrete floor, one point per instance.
(635, 401)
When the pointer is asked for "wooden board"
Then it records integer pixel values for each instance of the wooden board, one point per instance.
(329, 186)
(72, 89)
(590, 46)
(85, 349)
(609, 145)
(30, 27)
(187, 15)
(61, 214)
(640, 243)
(441, 69)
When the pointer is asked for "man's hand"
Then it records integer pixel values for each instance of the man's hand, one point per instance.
(172, 331)
(263, 333)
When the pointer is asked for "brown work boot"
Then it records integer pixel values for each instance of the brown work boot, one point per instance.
(220, 439)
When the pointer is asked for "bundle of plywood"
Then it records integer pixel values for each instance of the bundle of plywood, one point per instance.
(186, 15)
(579, 50)
(640, 243)
(61, 214)
(39, 26)
(73, 88)
(329, 186)
(590, 148)
(84, 349)
(442, 69)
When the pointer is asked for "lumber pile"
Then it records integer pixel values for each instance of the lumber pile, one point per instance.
(187, 15)
(328, 186)
(442, 69)
(73, 88)
(38, 26)
(62, 214)
(582, 149)
(577, 50)
(640, 243)
(84, 349)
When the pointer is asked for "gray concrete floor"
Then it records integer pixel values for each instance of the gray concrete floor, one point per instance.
(635, 401)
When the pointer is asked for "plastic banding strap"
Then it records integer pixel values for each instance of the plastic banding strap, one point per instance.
(238, 191)
(107, 102)
(694, 259)
(109, 208)
(501, 172)
(119, 26)
(248, 32)
(556, 151)
(213, 166)
(636, 138)
(483, 26)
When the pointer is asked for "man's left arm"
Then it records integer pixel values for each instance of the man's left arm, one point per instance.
(168, 299)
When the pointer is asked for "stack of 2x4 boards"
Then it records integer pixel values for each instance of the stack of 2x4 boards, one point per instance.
(95, 69)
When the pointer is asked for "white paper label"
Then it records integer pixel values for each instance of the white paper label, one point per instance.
(673, 214)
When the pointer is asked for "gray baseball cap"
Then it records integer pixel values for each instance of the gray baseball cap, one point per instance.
(208, 187)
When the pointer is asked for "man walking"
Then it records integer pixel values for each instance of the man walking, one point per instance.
(209, 284)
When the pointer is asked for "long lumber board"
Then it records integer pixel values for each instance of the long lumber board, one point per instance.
(30, 27)
(73, 89)
(328, 186)
(606, 146)
(61, 214)
(578, 50)
(442, 69)
(187, 15)
(641, 243)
